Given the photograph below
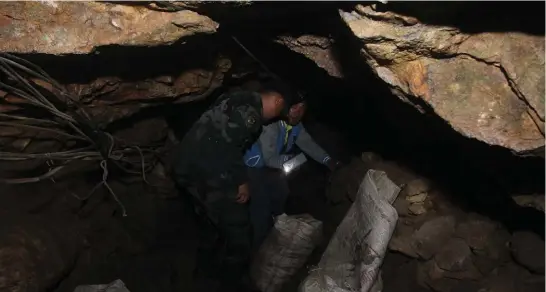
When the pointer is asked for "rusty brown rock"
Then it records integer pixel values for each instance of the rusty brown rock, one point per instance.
(316, 48)
(108, 99)
(80, 27)
(487, 86)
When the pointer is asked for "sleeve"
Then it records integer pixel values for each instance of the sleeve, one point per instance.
(244, 124)
(310, 147)
(268, 145)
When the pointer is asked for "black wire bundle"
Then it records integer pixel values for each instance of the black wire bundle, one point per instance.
(21, 78)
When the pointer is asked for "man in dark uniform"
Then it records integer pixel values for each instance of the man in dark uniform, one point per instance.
(209, 163)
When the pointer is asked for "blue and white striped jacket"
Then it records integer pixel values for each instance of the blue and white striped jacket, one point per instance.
(267, 150)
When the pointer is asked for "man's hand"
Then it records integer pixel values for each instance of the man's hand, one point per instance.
(333, 164)
(243, 195)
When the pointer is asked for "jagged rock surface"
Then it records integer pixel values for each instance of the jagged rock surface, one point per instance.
(80, 27)
(487, 86)
(316, 48)
(109, 99)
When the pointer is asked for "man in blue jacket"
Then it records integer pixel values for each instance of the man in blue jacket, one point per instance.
(269, 189)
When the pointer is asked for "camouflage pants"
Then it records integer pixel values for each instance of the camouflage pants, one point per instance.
(225, 230)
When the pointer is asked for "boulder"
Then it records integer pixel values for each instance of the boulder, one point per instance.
(417, 187)
(401, 240)
(476, 232)
(434, 278)
(513, 278)
(452, 269)
(416, 192)
(487, 85)
(455, 260)
(534, 201)
(35, 256)
(432, 235)
(417, 208)
(528, 250)
(494, 253)
(81, 27)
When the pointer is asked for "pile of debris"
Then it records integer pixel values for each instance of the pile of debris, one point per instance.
(447, 248)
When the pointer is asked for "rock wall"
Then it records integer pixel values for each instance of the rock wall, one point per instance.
(79, 27)
(79, 45)
(487, 85)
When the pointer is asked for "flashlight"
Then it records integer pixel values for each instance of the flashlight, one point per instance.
(294, 163)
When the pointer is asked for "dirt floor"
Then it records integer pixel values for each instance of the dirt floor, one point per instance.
(63, 241)
(438, 245)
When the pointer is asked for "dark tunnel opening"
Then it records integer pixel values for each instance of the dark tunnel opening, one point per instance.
(348, 116)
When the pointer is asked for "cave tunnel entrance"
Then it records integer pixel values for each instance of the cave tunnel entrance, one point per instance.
(355, 118)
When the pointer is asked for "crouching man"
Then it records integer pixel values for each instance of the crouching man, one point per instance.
(268, 186)
(209, 163)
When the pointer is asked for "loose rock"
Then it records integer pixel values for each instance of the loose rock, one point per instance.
(417, 208)
(455, 260)
(419, 198)
(528, 250)
(454, 256)
(435, 279)
(513, 278)
(533, 201)
(476, 232)
(417, 187)
(33, 256)
(432, 236)
(495, 252)
(402, 239)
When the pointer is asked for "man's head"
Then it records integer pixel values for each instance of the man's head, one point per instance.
(275, 96)
(296, 113)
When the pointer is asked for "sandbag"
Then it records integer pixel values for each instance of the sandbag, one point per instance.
(285, 250)
(354, 255)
